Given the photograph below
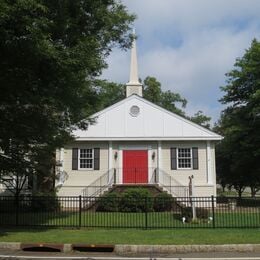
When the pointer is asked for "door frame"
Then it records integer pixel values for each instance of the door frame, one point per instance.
(149, 150)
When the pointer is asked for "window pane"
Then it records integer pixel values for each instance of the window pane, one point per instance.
(184, 158)
(86, 159)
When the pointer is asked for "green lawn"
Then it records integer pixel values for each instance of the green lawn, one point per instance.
(133, 220)
(133, 236)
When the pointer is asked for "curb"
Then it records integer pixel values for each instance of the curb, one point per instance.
(171, 249)
(154, 249)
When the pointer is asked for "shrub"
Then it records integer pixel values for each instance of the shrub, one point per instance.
(248, 202)
(163, 202)
(201, 213)
(136, 200)
(109, 202)
(222, 199)
(7, 204)
(44, 202)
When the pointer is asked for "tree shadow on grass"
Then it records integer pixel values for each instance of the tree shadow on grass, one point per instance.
(37, 212)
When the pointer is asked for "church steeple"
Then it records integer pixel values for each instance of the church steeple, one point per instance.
(134, 86)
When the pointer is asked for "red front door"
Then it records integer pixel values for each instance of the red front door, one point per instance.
(135, 166)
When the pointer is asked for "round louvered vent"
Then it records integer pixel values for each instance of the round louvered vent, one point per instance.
(134, 111)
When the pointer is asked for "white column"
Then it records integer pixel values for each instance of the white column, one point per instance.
(110, 155)
(159, 157)
(209, 164)
(61, 167)
(62, 156)
(110, 159)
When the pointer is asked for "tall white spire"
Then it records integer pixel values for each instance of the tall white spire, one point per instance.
(134, 86)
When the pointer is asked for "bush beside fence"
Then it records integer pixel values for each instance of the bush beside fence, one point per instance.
(129, 211)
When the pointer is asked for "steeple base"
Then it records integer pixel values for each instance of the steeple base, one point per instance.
(134, 89)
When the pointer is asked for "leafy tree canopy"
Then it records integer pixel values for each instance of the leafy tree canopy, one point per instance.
(167, 99)
(240, 122)
(50, 54)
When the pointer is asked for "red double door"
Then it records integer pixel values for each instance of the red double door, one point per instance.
(135, 166)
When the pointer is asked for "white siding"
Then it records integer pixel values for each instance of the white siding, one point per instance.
(76, 180)
(152, 122)
(182, 175)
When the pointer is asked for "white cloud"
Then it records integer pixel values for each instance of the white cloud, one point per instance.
(189, 46)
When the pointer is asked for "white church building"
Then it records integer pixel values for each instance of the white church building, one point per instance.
(135, 142)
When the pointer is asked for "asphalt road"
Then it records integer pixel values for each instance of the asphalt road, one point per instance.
(7, 254)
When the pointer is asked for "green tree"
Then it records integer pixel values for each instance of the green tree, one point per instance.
(109, 93)
(171, 101)
(201, 119)
(166, 99)
(240, 121)
(51, 53)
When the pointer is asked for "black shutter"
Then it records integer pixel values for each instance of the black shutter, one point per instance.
(195, 158)
(96, 158)
(75, 158)
(173, 159)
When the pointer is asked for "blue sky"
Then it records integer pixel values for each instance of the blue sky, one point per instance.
(189, 45)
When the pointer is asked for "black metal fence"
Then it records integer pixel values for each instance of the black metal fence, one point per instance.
(114, 212)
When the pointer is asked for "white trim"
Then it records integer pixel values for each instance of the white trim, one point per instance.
(110, 155)
(120, 163)
(159, 159)
(110, 159)
(177, 158)
(85, 169)
(61, 180)
(209, 170)
(159, 154)
(62, 159)
(133, 147)
(153, 138)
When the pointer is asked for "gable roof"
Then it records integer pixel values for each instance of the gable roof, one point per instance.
(152, 123)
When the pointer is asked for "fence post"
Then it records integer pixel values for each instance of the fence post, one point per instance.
(80, 210)
(213, 211)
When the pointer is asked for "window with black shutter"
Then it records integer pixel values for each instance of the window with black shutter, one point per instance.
(173, 159)
(195, 158)
(96, 158)
(184, 158)
(86, 158)
(74, 158)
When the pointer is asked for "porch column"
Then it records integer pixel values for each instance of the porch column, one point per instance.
(110, 159)
(209, 164)
(61, 166)
(159, 154)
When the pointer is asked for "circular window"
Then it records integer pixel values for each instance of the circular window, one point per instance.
(134, 111)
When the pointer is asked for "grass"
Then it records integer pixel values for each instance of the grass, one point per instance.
(133, 236)
(133, 220)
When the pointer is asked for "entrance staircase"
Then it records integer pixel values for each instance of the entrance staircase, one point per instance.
(160, 181)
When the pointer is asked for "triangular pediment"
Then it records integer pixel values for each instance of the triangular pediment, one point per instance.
(135, 118)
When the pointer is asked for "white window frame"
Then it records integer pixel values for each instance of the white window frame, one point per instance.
(79, 158)
(191, 159)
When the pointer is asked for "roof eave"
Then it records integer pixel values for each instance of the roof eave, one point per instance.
(189, 138)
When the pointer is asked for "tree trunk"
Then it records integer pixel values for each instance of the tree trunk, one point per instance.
(254, 190)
